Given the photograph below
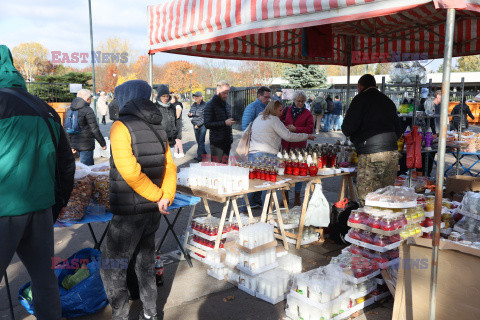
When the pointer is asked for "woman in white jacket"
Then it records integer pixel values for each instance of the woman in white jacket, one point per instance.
(267, 134)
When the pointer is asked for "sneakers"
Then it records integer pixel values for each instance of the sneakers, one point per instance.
(143, 316)
(179, 155)
(198, 159)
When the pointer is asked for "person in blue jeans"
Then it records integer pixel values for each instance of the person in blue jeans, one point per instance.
(196, 113)
(336, 116)
(328, 117)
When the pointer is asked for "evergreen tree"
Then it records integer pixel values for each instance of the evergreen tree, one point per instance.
(305, 76)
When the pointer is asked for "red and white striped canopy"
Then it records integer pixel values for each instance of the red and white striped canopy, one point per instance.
(274, 30)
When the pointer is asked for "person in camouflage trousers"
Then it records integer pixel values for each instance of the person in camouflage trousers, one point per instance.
(372, 124)
(375, 171)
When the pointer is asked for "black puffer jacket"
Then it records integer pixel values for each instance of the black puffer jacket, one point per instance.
(150, 154)
(169, 122)
(215, 114)
(85, 140)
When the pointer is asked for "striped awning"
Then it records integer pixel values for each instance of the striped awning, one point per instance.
(286, 30)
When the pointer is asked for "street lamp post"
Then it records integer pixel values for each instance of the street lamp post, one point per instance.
(190, 72)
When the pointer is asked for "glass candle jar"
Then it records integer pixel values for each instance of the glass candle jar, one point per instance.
(387, 224)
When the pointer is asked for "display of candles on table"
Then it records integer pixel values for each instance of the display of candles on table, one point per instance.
(301, 162)
(225, 179)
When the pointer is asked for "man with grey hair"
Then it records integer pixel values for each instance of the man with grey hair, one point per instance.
(218, 118)
(84, 141)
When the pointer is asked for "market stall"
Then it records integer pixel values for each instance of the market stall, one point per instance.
(359, 32)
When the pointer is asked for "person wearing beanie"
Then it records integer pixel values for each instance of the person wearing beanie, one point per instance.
(196, 113)
(169, 115)
(35, 184)
(143, 180)
(84, 142)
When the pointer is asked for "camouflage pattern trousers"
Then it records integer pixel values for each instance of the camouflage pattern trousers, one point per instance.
(132, 239)
(375, 171)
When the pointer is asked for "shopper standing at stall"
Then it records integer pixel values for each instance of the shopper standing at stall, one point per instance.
(83, 142)
(256, 107)
(177, 104)
(327, 118)
(35, 181)
(102, 105)
(169, 115)
(299, 120)
(278, 95)
(196, 113)
(373, 126)
(464, 109)
(218, 118)
(143, 181)
(318, 107)
(337, 118)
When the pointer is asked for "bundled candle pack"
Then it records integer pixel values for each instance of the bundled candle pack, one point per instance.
(255, 235)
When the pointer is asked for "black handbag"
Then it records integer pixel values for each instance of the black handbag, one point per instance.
(339, 218)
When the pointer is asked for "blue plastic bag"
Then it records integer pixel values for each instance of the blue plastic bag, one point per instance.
(86, 297)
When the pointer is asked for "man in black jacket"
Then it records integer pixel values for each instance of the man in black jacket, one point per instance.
(196, 113)
(218, 119)
(373, 126)
(84, 142)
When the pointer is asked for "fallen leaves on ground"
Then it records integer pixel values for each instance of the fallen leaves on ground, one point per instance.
(229, 298)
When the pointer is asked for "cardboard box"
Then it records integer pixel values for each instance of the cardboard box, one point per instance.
(458, 283)
(259, 248)
(459, 184)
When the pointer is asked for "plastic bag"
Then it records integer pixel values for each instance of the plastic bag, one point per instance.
(100, 176)
(86, 297)
(318, 210)
(80, 197)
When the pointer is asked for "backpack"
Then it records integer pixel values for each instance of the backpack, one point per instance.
(317, 105)
(339, 218)
(71, 122)
(330, 105)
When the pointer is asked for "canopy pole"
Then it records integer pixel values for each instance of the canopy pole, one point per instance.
(349, 63)
(447, 65)
(457, 169)
(93, 56)
(150, 70)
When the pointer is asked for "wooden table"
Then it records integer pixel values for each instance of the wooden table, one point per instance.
(346, 186)
(271, 205)
(227, 199)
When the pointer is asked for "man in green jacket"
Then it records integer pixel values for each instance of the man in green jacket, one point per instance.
(36, 179)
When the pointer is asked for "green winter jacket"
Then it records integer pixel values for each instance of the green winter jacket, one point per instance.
(28, 158)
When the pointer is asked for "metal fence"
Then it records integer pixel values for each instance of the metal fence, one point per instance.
(240, 97)
(51, 92)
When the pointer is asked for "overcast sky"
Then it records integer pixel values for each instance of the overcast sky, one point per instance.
(64, 25)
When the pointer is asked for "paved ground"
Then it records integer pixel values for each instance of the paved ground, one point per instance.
(188, 293)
